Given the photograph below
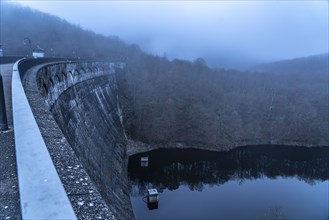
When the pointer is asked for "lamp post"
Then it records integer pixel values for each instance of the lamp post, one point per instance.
(27, 41)
(1, 51)
(3, 113)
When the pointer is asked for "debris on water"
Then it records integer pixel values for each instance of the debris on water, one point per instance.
(144, 161)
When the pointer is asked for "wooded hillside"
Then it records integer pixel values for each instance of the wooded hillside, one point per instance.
(179, 102)
(24, 29)
(189, 103)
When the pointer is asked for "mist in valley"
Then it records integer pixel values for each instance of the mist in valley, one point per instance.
(248, 79)
(215, 74)
(229, 34)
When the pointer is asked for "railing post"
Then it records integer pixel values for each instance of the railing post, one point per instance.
(3, 113)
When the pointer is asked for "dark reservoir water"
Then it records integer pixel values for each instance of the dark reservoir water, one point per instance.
(262, 182)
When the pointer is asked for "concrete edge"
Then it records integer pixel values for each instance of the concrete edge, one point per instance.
(42, 195)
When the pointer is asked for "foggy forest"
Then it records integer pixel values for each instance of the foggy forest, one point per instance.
(208, 93)
(188, 101)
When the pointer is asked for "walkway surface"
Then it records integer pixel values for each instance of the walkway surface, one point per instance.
(9, 195)
(84, 197)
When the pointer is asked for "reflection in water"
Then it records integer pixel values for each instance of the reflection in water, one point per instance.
(168, 168)
(270, 170)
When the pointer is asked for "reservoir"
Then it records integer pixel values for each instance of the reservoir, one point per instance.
(253, 182)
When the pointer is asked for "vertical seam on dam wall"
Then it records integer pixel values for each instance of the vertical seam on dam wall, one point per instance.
(72, 87)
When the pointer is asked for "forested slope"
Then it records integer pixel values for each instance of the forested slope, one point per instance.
(23, 30)
(188, 103)
(179, 102)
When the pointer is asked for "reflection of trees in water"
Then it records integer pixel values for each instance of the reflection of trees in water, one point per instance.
(170, 168)
(274, 213)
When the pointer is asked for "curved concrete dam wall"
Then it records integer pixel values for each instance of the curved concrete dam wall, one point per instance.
(83, 100)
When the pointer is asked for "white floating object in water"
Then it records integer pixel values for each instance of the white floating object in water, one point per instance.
(144, 161)
(152, 198)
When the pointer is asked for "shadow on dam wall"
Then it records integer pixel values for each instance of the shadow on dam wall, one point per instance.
(83, 100)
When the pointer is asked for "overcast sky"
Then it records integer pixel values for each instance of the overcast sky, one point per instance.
(220, 31)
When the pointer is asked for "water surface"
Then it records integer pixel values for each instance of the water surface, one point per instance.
(248, 182)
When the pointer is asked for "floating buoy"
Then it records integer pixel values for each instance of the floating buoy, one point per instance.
(152, 198)
(144, 161)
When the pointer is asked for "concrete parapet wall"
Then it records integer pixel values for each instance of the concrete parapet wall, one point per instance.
(42, 195)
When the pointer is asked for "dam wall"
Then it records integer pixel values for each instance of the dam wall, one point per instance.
(82, 97)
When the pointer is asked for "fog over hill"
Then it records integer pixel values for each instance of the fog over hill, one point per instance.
(193, 94)
(24, 29)
(178, 102)
(316, 64)
(229, 34)
(181, 103)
